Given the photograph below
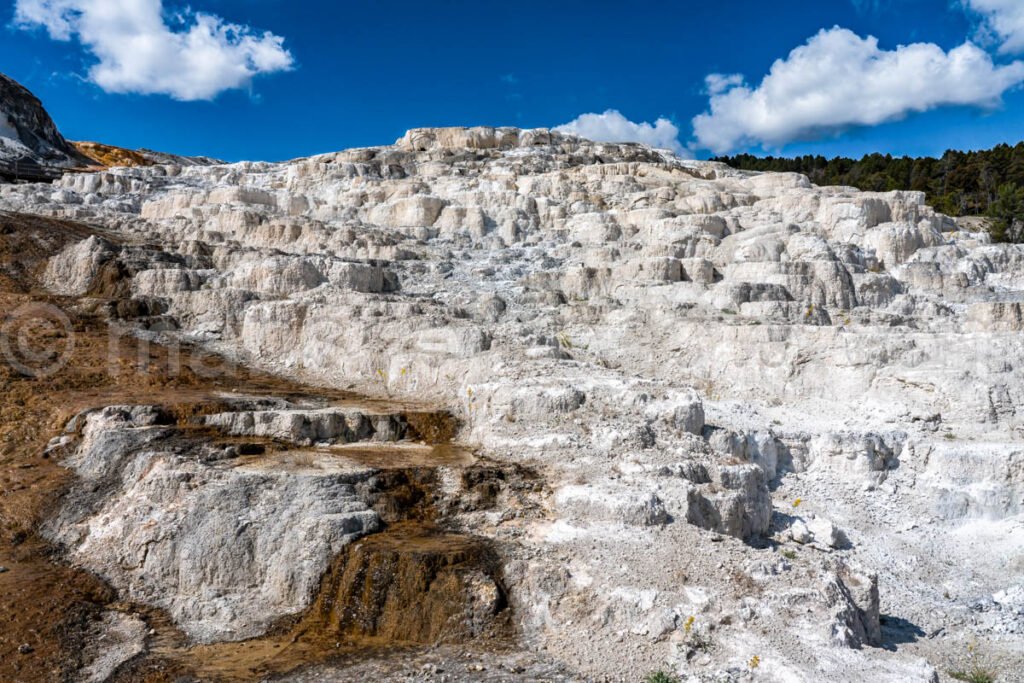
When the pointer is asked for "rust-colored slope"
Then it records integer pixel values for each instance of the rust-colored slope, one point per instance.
(109, 155)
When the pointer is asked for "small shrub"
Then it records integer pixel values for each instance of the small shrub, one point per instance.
(301, 459)
(695, 638)
(566, 342)
(973, 668)
(974, 675)
(660, 677)
(788, 554)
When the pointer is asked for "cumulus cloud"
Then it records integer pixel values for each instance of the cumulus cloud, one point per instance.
(612, 126)
(1002, 20)
(197, 57)
(838, 80)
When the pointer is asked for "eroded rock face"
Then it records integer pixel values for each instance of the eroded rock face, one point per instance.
(225, 545)
(412, 585)
(28, 132)
(700, 360)
(854, 596)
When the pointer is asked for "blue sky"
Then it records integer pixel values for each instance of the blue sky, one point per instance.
(342, 74)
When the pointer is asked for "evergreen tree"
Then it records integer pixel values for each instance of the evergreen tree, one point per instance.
(1007, 213)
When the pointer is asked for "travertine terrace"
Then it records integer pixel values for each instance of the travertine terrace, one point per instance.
(776, 425)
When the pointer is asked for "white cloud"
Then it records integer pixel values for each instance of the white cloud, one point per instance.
(197, 58)
(839, 80)
(1002, 20)
(719, 83)
(612, 126)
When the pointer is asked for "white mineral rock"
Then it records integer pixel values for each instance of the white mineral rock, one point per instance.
(681, 349)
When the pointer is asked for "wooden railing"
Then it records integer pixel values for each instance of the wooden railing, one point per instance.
(30, 171)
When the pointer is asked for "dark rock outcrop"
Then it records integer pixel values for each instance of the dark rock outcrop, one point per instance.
(28, 133)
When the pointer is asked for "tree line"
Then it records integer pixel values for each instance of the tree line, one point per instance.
(982, 183)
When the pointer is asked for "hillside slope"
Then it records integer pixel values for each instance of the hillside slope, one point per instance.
(973, 183)
(775, 428)
(28, 132)
(28, 135)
